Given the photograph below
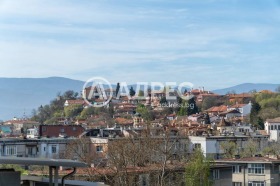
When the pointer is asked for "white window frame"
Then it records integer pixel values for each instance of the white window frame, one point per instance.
(52, 149)
(256, 168)
(216, 174)
(256, 183)
(11, 150)
(237, 169)
(99, 148)
(237, 184)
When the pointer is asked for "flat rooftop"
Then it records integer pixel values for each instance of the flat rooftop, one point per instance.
(41, 161)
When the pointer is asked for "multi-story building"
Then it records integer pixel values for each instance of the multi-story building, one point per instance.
(254, 171)
(211, 145)
(43, 148)
(272, 128)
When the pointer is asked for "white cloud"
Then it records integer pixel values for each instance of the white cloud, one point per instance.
(79, 38)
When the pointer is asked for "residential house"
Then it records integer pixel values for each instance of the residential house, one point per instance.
(244, 109)
(70, 102)
(229, 114)
(60, 130)
(240, 98)
(272, 128)
(42, 148)
(254, 171)
(224, 126)
(211, 145)
(202, 96)
(216, 110)
(19, 126)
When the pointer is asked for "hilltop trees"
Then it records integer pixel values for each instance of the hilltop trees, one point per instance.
(51, 113)
(265, 105)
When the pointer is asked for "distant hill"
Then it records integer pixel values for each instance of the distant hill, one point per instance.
(19, 95)
(247, 87)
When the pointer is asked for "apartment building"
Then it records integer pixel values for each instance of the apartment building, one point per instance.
(254, 171)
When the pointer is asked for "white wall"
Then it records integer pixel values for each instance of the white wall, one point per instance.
(246, 110)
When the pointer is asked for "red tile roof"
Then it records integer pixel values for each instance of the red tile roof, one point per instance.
(275, 120)
(221, 108)
(75, 102)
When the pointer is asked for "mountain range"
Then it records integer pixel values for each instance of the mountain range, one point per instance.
(247, 87)
(19, 96)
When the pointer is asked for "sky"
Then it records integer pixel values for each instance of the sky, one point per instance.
(210, 43)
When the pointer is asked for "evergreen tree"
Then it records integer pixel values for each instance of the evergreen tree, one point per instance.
(207, 119)
(254, 116)
(163, 100)
(131, 91)
(192, 107)
(117, 89)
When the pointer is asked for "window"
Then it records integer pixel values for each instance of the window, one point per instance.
(44, 129)
(197, 146)
(11, 150)
(29, 151)
(216, 174)
(236, 184)
(99, 148)
(256, 168)
(236, 169)
(62, 130)
(74, 128)
(54, 149)
(256, 183)
(278, 127)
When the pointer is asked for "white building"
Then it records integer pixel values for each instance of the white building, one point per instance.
(244, 109)
(272, 128)
(211, 145)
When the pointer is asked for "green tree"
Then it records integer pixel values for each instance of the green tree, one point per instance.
(272, 149)
(70, 94)
(117, 89)
(145, 112)
(208, 102)
(254, 116)
(131, 91)
(198, 170)
(250, 149)
(163, 100)
(183, 110)
(192, 107)
(141, 93)
(207, 119)
(73, 111)
(229, 148)
(87, 112)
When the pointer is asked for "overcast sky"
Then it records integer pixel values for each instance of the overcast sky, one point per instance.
(211, 43)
